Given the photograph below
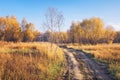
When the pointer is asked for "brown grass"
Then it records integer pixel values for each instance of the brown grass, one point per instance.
(105, 53)
(30, 61)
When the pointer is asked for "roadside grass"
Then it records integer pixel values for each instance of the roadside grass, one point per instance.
(31, 61)
(108, 54)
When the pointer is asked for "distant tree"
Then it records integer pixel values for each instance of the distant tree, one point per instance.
(23, 24)
(72, 33)
(54, 20)
(94, 29)
(64, 37)
(28, 33)
(110, 34)
(117, 37)
(12, 29)
(46, 36)
(2, 28)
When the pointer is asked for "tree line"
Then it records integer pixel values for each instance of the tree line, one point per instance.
(89, 31)
(12, 30)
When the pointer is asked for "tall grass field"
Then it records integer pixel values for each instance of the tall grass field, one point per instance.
(30, 61)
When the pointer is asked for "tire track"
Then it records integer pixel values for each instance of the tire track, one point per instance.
(90, 70)
(96, 71)
(73, 67)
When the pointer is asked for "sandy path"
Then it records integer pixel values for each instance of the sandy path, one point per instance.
(92, 69)
(97, 71)
(74, 66)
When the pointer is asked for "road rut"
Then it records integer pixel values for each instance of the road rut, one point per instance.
(93, 69)
(73, 66)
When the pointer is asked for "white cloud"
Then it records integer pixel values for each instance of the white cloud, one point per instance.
(115, 25)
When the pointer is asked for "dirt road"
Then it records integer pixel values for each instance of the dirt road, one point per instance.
(83, 68)
(73, 67)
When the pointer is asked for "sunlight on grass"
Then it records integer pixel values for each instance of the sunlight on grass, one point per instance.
(30, 61)
(105, 53)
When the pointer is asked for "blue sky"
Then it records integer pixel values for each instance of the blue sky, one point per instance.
(73, 10)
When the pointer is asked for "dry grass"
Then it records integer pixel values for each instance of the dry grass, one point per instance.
(106, 53)
(30, 61)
